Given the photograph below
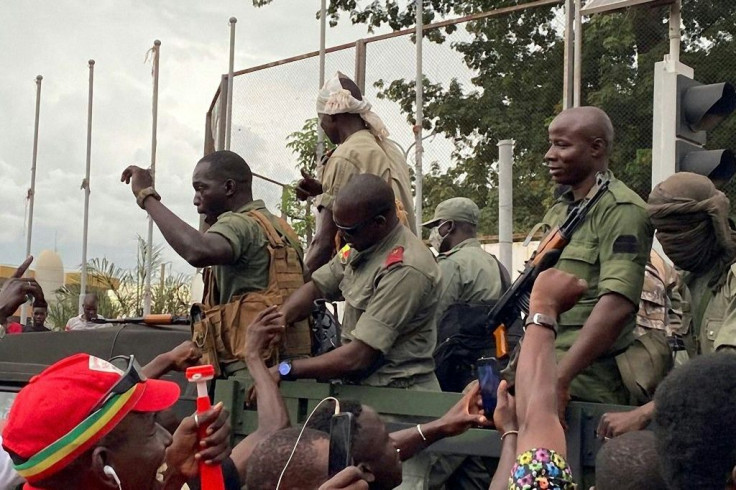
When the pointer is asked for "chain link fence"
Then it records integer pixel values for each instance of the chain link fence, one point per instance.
(272, 102)
(488, 77)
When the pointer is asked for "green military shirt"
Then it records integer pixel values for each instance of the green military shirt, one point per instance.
(391, 294)
(610, 251)
(714, 315)
(249, 271)
(361, 153)
(469, 275)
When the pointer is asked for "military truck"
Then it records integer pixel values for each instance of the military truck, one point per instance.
(23, 356)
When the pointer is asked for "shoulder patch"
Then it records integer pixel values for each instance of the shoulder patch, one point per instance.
(344, 254)
(626, 244)
(396, 256)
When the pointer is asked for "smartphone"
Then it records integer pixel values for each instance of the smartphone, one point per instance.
(488, 377)
(341, 435)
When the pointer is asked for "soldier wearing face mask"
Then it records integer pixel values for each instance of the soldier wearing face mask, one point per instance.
(472, 281)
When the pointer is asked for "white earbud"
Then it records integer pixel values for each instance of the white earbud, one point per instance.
(110, 471)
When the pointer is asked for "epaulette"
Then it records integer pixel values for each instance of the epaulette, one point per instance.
(396, 256)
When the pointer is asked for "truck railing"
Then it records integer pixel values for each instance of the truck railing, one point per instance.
(413, 407)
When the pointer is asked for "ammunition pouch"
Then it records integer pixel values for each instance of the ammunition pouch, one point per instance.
(645, 364)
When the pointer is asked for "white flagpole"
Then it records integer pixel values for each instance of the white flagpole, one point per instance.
(85, 186)
(231, 68)
(147, 297)
(32, 190)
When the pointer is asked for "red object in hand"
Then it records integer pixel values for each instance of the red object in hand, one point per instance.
(210, 476)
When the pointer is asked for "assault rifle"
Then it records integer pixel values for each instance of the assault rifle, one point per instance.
(156, 319)
(516, 299)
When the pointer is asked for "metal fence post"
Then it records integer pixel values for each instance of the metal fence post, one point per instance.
(505, 202)
(231, 68)
(418, 150)
(360, 61)
(222, 113)
(569, 58)
(578, 55)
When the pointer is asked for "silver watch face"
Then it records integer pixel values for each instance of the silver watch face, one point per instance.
(284, 368)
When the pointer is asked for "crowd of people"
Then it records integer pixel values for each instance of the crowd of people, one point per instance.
(612, 323)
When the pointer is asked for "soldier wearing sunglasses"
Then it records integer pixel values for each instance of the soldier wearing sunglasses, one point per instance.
(389, 280)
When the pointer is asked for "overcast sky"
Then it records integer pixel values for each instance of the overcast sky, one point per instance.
(56, 39)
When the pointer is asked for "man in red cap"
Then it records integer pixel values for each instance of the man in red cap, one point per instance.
(86, 423)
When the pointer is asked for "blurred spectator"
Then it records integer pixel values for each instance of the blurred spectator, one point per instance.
(535, 435)
(89, 313)
(695, 424)
(629, 462)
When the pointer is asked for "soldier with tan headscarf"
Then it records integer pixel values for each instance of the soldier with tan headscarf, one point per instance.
(363, 148)
(691, 218)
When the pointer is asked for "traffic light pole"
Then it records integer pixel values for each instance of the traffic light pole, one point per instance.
(664, 154)
(664, 149)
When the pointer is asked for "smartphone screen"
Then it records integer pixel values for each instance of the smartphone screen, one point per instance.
(489, 378)
(340, 443)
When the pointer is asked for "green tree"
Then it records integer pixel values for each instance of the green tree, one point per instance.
(303, 144)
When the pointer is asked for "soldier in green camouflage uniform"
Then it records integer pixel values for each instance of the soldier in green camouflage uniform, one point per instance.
(664, 313)
(609, 250)
(471, 284)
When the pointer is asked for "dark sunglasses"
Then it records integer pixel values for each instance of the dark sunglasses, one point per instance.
(352, 230)
(132, 375)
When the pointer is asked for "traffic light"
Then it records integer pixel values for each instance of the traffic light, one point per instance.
(684, 110)
(701, 108)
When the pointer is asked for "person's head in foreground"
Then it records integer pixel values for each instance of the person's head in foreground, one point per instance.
(696, 424)
(691, 218)
(84, 423)
(629, 462)
(373, 449)
(307, 469)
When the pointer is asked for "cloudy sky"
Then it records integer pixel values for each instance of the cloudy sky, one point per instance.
(57, 38)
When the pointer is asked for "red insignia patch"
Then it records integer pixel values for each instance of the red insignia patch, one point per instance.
(395, 257)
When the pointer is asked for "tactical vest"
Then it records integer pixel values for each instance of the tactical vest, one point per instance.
(220, 331)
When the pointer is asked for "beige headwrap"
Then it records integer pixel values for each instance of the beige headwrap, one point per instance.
(333, 99)
(691, 217)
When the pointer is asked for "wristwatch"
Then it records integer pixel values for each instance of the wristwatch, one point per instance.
(545, 321)
(146, 193)
(285, 369)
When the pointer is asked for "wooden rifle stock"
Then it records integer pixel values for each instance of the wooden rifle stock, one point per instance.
(154, 319)
(502, 345)
(546, 256)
